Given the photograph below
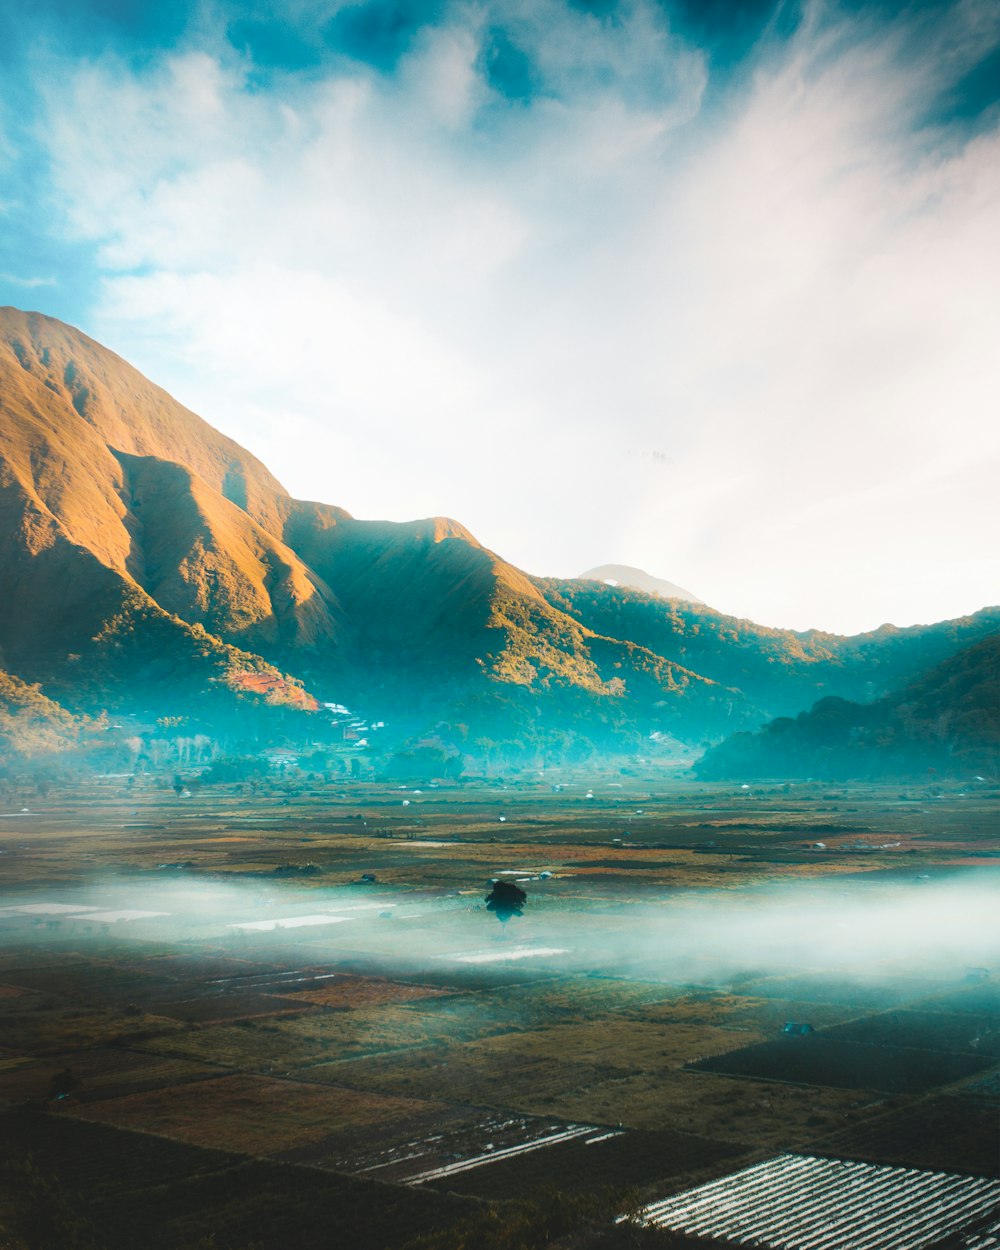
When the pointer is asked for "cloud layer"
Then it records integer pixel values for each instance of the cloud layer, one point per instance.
(557, 274)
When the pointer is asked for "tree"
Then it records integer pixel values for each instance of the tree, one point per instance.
(63, 1083)
(505, 900)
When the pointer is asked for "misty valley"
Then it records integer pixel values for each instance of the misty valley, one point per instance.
(232, 1011)
(360, 889)
(499, 625)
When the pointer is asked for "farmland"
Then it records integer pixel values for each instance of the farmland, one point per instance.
(220, 1009)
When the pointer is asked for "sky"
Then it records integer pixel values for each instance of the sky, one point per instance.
(708, 288)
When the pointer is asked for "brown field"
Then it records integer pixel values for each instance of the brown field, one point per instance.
(401, 1027)
(252, 1115)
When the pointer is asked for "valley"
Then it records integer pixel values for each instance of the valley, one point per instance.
(235, 1010)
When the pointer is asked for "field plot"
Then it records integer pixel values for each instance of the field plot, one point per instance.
(819, 1060)
(246, 1046)
(630, 1044)
(928, 1030)
(751, 1113)
(91, 981)
(380, 1147)
(58, 1030)
(976, 1000)
(812, 1203)
(586, 997)
(459, 1141)
(210, 968)
(94, 1073)
(230, 1005)
(944, 1132)
(495, 1073)
(251, 1115)
(343, 1035)
(143, 1190)
(765, 1016)
(577, 1159)
(341, 992)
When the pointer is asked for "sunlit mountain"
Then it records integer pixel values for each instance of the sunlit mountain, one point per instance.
(151, 565)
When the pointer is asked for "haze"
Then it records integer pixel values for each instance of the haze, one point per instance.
(882, 933)
(715, 298)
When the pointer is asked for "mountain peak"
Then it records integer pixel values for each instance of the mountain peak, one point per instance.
(87, 393)
(637, 579)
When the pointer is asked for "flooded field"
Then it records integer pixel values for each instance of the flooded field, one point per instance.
(306, 988)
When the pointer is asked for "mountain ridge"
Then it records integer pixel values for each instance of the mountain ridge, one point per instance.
(149, 560)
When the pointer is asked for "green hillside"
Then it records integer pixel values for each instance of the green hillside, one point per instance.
(947, 720)
(779, 670)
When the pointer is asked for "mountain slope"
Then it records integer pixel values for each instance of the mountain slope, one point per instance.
(108, 394)
(948, 720)
(94, 506)
(460, 618)
(120, 505)
(148, 561)
(30, 722)
(779, 670)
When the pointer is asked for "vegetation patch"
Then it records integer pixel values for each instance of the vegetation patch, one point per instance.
(816, 1060)
(946, 1133)
(245, 1114)
(928, 1030)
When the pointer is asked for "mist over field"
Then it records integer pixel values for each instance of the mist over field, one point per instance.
(307, 978)
(916, 926)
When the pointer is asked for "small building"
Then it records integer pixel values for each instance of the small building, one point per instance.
(797, 1028)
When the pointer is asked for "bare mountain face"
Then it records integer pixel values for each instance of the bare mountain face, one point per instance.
(110, 485)
(147, 560)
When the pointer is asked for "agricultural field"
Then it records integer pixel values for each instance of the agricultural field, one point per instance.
(221, 1009)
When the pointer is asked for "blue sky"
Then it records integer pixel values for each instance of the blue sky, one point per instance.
(705, 287)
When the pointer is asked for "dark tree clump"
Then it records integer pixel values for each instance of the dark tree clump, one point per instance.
(505, 900)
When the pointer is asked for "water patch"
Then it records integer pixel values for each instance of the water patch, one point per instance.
(519, 952)
(287, 922)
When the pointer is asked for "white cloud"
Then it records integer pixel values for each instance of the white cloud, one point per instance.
(498, 311)
(30, 283)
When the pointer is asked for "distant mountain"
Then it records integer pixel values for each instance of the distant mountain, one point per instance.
(947, 720)
(150, 565)
(637, 579)
(779, 670)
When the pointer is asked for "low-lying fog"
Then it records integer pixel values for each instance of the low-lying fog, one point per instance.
(929, 929)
